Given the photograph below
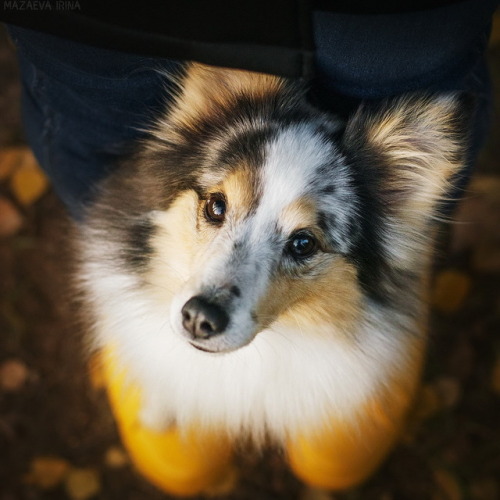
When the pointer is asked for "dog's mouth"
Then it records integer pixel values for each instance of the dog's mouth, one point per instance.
(217, 347)
(204, 349)
(213, 351)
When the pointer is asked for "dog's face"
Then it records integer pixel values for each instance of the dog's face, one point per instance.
(248, 208)
(259, 239)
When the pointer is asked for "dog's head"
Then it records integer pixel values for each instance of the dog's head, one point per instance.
(258, 209)
(261, 232)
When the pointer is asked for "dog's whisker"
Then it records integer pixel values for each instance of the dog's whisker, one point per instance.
(162, 326)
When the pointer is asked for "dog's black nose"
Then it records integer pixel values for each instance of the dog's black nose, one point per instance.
(203, 319)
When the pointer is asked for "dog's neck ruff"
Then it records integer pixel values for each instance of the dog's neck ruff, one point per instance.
(285, 381)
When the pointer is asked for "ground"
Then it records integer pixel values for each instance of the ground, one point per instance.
(57, 437)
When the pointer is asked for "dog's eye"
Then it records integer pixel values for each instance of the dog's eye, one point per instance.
(215, 208)
(302, 245)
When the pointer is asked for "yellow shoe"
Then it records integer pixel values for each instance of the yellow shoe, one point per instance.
(346, 453)
(184, 463)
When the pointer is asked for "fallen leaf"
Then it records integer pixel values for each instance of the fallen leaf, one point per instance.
(47, 472)
(28, 182)
(82, 484)
(448, 390)
(10, 218)
(13, 375)
(116, 457)
(450, 289)
(10, 159)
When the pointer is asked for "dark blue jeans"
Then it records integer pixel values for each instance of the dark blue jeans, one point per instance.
(84, 106)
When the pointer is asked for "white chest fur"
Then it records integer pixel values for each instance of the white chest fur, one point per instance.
(285, 380)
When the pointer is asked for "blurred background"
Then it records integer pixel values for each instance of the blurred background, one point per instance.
(57, 437)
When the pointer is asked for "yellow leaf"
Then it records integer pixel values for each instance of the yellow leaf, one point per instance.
(10, 218)
(13, 375)
(47, 472)
(10, 159)
(28, 182)
(82, 484)
(450, 289)
(116, 457)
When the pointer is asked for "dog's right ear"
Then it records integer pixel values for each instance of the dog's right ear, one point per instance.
(206, 91)
(413, 146)
(405, 153)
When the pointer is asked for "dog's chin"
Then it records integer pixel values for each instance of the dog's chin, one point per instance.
(220, 344)
(215, 346)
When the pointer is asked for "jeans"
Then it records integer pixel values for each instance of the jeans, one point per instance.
(83, 106)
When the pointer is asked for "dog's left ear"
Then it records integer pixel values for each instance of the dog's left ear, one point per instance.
(409, 149)
(206, 91)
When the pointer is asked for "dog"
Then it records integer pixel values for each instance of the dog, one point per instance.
(258, 269)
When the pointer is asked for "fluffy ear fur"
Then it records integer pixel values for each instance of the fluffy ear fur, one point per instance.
(207, 90)
(404, 154)
(416, 145)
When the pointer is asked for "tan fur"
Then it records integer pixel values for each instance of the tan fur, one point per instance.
(239, 188)
(298, 215)
(419, 143)
(333, 298)
(207, 90)
(165, 277)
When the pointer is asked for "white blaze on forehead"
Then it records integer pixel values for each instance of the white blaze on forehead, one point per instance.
(291, 161)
